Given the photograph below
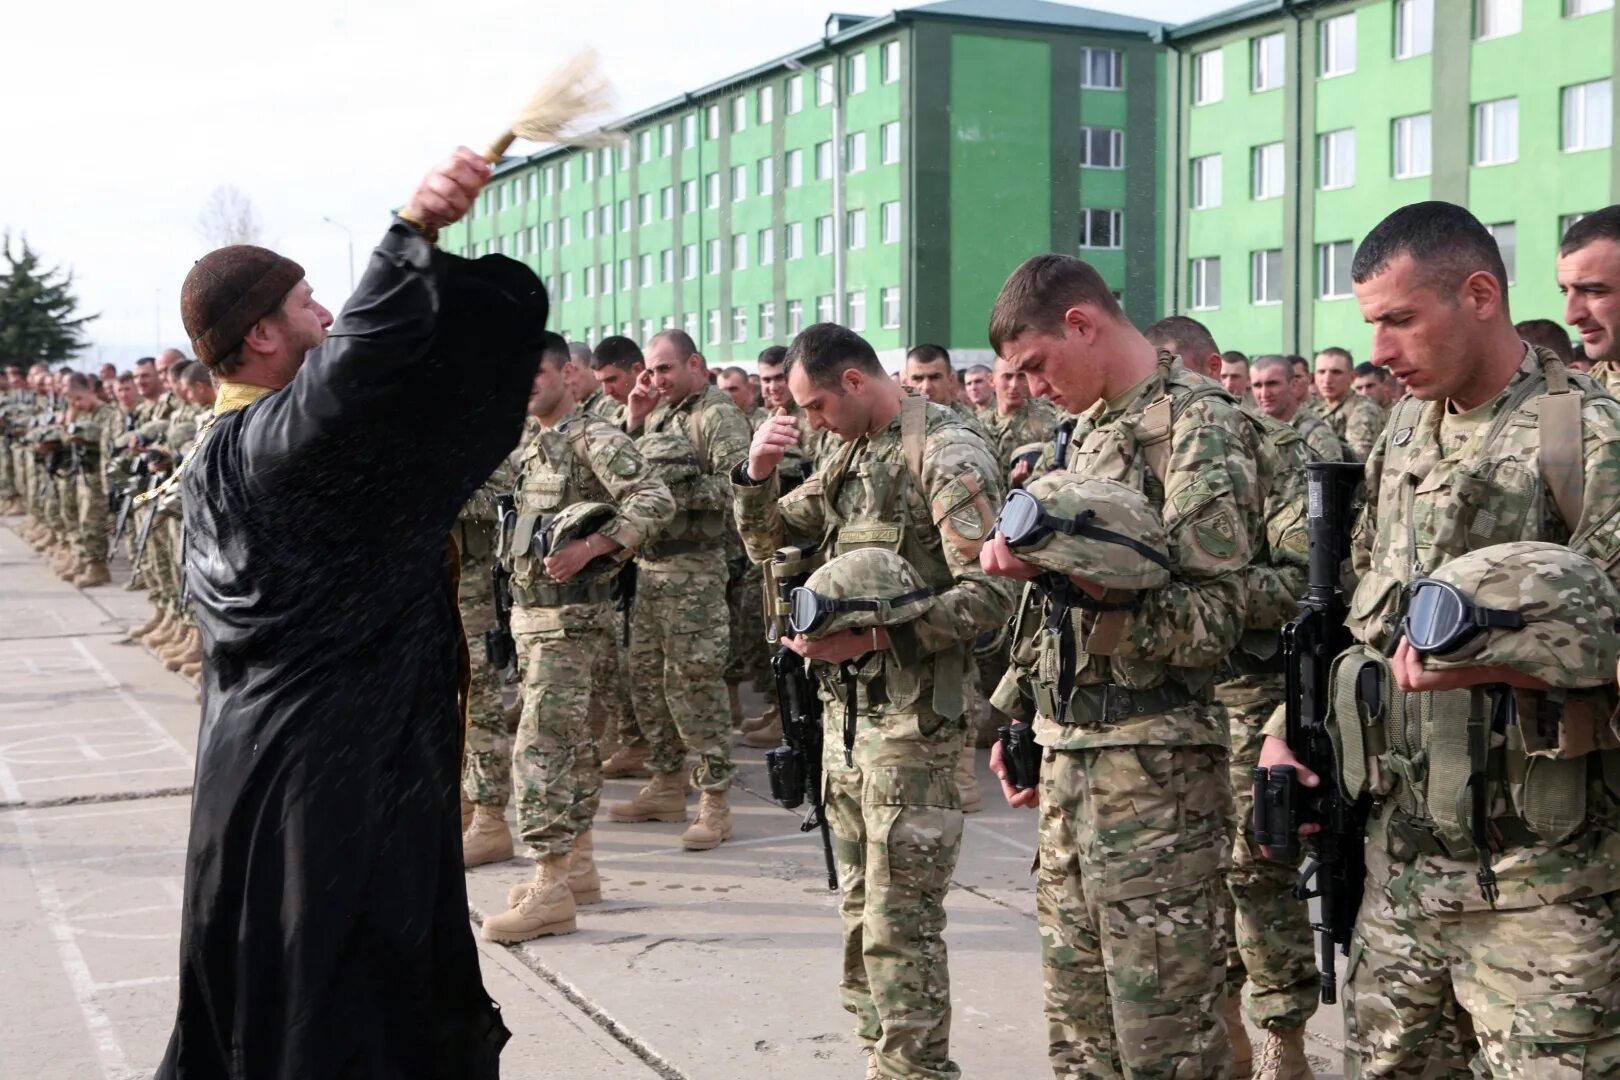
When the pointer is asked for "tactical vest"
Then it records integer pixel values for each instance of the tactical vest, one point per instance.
(1537, 755)
(702, 496)
(553, 473)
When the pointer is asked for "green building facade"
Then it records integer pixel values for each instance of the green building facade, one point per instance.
(1297, 126)
(887, 176)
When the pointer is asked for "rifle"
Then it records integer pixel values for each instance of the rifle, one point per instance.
(500, 648)
(1335, 860)
(135, 486)
(624, 596)
(794, 767)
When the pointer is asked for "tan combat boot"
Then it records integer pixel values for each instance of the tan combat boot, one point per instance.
(662, 799)
(734, 697)
(147, 627)
(65, 557)
(1238, 1035)
(466, 812)
(713, 824)
(764, 720)
(767, 735)
(627, 761)
(870, 1053)
(1283, 1056)
(487, 838)
(192, 673)
(187, 651)
(93, 574)
(583, 880)
(546, 907)
(967, 782)
(159, 638)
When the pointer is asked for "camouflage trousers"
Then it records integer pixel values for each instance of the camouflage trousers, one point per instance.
(1269, 941)
(90, 536)
(9, 488)
(1537, 987)
(896, 820)
(678, 641)
(748, 659)
(1133, 840)
(487, 779)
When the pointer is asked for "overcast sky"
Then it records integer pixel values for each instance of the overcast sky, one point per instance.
(121, 118)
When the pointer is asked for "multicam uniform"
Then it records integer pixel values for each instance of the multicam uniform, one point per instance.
(1358, 421)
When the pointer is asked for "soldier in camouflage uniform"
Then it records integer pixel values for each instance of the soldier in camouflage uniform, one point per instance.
(562, 619)
(1589, 278)
(978, 387)
(679, 635)
(1135, 800)
(748, 658)
(1274, 389)
(910, 477)
(1355, 419)
(1018, 419)
(1495, 442)
(928, 371)
(91, 422)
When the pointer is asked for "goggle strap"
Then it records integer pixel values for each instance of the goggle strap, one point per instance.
(1498, 619)
(1097, 532)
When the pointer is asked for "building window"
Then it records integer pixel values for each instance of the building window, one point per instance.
(1266, 63)
(824, 84)
(1574, 9)
(795, 95)
(1414, 28)
(606, 220)
(765, 107)
(1333, 270)
(711, 184)
(567, 231)
(765, 171)
(588, 221)
(823, 161)
(1205, 275)
(739, 113)
(1497, 18)
(824, 235)
(889, 138)
(688, 196)
(646, 146)
(590, 281)
(767, 247)
(1411, 149)
(1102, 69)
(824, 308)
(1568, 221)
(856, 66)
(891, 62)
(855, 310)
(855, 152)
(1338, 45)
(714, 325)
(767, 322)
(739, 324)
(795, 317)
(714, 256)
(889, 307)
(1102, 148)
(534, 186)
(551, 175)
(534, 239)
(794, 170)
(688, 324)
(1496, 131)
(711, 126)
(1507, 242)
(568, 285)
(624, 152)
(550, 233)
(567, 175)
(1336, 159)
(1267, 166)
(648, 329)
(666, 264)
(645, 205)
(605, 279)
(666, 202)
(739, 183)
(666, 140)
(1265, 276)
(1208, 77)
(625, 220)
(1587, 113)
(855, 229)
(627, 272)
(587, 173)
(1101, 229)
(793, 240)
(689, 262)
(689, 131)
(889, 229)
(739, 251)
(1206, 182)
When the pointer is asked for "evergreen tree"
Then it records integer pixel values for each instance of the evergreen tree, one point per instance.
(38, 320)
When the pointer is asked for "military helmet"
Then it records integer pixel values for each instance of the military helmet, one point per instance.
(1536, 607)
(576, 522)
(858, 589)
(1101, 530)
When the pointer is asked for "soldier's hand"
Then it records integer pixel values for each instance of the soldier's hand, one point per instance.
(997, 560)
(771, 441)
(1412, 677)
(643, 396)
(836, 648)
(1020, 473)
(1275, 751)
(1029, 797)
(571, 558)
(447, 192)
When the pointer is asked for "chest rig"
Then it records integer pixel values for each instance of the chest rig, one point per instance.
(553, 474)
(1477, 770)
(702, 498)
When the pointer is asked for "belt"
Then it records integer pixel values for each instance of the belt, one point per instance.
(543, 595)
(1109, 703)
(1410, 837)
(667, 549)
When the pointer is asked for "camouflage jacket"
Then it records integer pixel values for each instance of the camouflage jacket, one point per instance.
(721, 443)
(1032, 422)
(1325, 445)
(1424, 507)
(1358, 421)
(600, 404)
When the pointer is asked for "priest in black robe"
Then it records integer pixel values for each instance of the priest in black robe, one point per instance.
(325, 931)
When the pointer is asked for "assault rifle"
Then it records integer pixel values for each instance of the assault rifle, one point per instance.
(126, 499)
(500, 648)
(794, 767)
(1335, 866)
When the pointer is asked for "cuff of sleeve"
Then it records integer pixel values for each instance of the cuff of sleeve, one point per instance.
(740, 477)
(409, 243)
(1277, 725)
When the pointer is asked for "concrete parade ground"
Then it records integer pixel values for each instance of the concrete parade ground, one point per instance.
(702, 965)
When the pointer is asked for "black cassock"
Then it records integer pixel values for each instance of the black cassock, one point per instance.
(325, 931)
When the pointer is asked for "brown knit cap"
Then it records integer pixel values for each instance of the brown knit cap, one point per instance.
(230, 289)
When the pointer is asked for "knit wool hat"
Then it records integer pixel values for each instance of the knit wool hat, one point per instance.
(227, 291)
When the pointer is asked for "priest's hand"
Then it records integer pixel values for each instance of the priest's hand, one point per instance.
(771, 441)
(643, 396)
(447, 192)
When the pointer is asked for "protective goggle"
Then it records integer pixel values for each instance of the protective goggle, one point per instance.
(1439, 619)
(808, 611)
(1024, 522)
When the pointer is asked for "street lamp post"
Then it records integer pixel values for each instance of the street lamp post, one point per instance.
(350, 236)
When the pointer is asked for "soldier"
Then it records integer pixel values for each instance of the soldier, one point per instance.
(1355, 419)
(1190, 340)
(90, 420)
(617, 363)
(1235, 376)
(1135, 800)
(1494, 442)
(1018, 418)
(894, 723)
(677, 639)
(1304, 386)
(745, 602)
(978, 386)
(1274, 389)
(563, 622)
(1373, 382)
(928, 371)
(1589, 278)
(801, 458)
(150, 385)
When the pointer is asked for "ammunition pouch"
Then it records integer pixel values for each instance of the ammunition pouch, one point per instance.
(547, 595)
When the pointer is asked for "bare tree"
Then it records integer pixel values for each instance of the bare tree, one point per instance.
(229, 218)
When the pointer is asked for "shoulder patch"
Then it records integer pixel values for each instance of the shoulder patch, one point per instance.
(626, 461)
(1216, 536)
